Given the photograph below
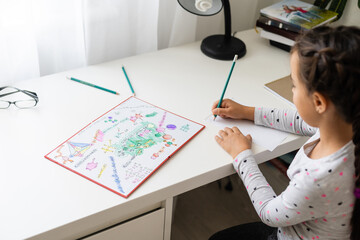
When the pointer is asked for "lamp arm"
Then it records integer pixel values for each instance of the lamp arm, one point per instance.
(227, 15)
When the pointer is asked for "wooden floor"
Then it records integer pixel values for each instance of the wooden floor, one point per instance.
(203, 211)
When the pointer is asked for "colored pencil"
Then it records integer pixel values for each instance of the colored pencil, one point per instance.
(226, 84)
(92, 85)
(128, 80)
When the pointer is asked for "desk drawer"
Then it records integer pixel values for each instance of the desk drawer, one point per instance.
(146, 227)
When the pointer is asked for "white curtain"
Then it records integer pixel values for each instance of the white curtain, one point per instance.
(40, 37)
(116, 28)
(18, 50)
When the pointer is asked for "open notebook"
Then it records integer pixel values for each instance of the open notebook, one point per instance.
(123, 147)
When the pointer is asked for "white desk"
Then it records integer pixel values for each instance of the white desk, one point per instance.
(41, 200)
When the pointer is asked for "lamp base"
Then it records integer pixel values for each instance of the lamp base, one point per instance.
(218, 47)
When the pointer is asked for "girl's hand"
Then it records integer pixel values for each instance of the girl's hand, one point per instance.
(233, 141)
(234, 110)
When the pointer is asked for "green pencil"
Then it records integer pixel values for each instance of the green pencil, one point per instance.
(92, 85)
(128, 80)
(226, 84)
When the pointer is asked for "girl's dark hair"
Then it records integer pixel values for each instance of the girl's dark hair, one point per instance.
(329, 63)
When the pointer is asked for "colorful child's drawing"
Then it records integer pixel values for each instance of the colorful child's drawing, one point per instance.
(108, 147)
(78, 149)
(91, 165)
(99, 136)
(64, 158)
(185, 128)
(124, 146)
(135, 117)
(134, 142)
(110, 120)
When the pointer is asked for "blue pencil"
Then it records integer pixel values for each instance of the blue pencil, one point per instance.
(226, 84)
(128, 80)
(92, 85)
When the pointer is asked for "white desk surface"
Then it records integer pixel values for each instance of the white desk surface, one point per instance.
(40, 197)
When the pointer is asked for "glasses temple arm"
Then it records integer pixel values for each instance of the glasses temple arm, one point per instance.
(5, 94)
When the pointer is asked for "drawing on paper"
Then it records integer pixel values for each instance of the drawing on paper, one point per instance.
(124, 146)
(151, 114)
(102, 170)
(78, 149)
(108, 147)
(110, 120)
(136, 141)
(64, 158)
(91, 165)
(115, 175)
(99, 136)
(185, 128)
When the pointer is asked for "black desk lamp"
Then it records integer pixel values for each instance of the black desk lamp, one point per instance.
(223, 47)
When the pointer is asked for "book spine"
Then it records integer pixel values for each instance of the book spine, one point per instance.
(280, 25)
(282, 21)
(281, 32)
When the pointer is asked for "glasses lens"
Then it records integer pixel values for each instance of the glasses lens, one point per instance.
(25, 103)
(4, 104)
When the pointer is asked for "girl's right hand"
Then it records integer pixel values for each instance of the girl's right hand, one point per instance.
(234, 110)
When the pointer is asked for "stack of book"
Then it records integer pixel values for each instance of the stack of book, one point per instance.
(282, 22)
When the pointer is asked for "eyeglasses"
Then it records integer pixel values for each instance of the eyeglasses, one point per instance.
(24, 103)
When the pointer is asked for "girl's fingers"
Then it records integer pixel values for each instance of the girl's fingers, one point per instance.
(215, 105)
(218, 139)
(236, 130)
(222, 133)
(249, 137)
(220, 111)
(228, 130)
(223, 103)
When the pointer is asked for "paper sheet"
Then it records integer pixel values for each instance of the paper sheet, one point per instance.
(263, 136)
(123, 147)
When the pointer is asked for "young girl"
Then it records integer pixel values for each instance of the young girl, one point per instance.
(322, 198)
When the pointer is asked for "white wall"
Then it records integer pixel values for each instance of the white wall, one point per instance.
(245, 12)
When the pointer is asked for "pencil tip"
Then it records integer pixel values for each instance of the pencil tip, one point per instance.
(68, 77)
(117, 94)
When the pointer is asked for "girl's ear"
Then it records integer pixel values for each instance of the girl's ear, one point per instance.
(320, 102)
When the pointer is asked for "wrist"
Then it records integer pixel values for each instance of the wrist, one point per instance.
(249, 113)
(244, 154)
(235, 154)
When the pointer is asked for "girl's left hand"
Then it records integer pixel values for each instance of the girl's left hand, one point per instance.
(233, 141)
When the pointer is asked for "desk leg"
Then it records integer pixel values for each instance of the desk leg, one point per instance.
(168, 205)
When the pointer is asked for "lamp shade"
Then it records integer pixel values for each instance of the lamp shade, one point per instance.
(202, 7)
(222, 46)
